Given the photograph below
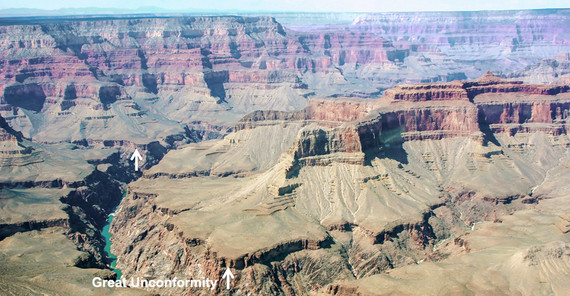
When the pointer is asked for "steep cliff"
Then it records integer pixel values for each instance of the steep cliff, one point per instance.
(326, 167)
(121, 73)
(55, 201)
(369, 187)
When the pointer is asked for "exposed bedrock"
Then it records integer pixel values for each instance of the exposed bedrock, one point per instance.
(213, 70)
(71, 192)
(317, 141)
(467, 90)
(7, 230)
(134, 67)
(79, 206)
(555, 70)
(338, 181)
(513, 30)
(88, 210)
(423, 111)
(284, 267)
(370, 187)
(186, 232)
(525, 111)
(432, 122)
(52, 219)
(429, 92)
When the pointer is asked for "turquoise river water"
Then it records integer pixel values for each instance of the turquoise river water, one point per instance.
(107, 236)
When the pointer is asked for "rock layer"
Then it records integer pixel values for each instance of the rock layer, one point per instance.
(374, 185)
(333, 185)
(119, 73)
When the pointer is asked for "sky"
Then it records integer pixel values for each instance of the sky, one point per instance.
(295, 5)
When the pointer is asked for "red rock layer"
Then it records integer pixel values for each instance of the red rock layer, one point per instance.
(428, 92)
(424, 111)
(460, 90)
(166, 53)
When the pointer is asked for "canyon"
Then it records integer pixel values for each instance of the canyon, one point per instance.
(312, 154)
(348, 189)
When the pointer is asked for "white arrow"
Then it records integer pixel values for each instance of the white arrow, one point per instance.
(136, 156)
(227, 275)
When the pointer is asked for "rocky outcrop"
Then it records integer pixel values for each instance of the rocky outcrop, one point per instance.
(424, 111)
(213, 70)
(361, 179)
(311, 142)
(10, 229)
(329, 111)
(515, 30)
(338, 179)
(458, 90)
(78, 204)
(555, 70)
(435, 122)
(73, 190)
(428, 92)
(149, 58)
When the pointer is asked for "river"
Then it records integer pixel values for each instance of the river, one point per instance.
(107, 236)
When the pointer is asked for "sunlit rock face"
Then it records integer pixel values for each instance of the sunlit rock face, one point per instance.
(310, 153)
(207, 72)
(368, 188)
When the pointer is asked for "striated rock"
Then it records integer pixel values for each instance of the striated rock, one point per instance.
(316, 141)
(375, 186)
(213, 70)
(554, 70)
(436, 111)
(428, 92)
(563, 223)
(339, 185)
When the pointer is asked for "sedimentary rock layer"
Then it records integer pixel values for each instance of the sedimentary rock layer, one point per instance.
(120, 73)
(371, 186)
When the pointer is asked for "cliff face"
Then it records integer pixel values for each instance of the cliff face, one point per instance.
(462, 43)
(429, 92)
(514, 30)
(88, 67)
(425, 111)
(555, 70)
(206, 72)
(339, 178)
(317, 141)
(98, 62)
(367, 187)
(60, 207)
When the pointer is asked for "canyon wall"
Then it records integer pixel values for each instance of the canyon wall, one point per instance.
(207, 72)
(326, 161)
(474, 109)
(367, 188)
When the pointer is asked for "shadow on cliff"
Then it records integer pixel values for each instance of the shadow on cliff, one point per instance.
(28, 96)
(215, 82)
(391, 145)
(488, 135)
(396, 152)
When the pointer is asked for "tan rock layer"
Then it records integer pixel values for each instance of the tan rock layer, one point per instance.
(419, 112)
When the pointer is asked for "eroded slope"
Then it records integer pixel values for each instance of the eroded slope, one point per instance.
(406, 179)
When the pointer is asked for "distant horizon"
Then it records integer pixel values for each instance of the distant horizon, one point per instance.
(52, 8)
(101, 11)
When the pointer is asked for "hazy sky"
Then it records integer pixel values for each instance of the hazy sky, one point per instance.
(296, 5)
